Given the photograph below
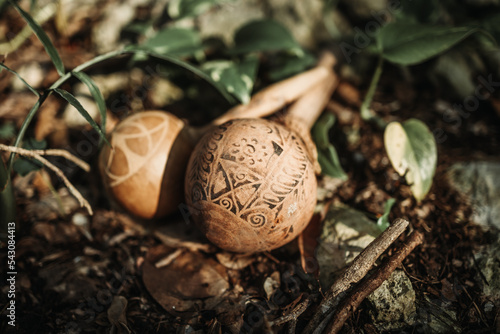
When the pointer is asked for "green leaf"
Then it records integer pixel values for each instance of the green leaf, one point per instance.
(42, 36)
(407, 43)
(183, 8)
(237, 78)
(74, 102)
(96, 94)
(264, 35)
(383, 221)
(327, 155)
(24, 165)
(411, 148)
(175, 41)
(2, 65)
(290, 65)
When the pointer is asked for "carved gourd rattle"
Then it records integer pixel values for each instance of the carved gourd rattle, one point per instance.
(250, 183)
(144, 168)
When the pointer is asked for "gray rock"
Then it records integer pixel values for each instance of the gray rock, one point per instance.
(479, 183)
(488, 260)
(346, 232)
(393, 303)
(435, 316)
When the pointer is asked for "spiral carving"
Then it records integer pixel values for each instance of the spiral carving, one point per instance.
(256, 171)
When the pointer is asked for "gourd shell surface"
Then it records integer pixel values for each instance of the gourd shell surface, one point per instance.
(250, 185)
(138, 170)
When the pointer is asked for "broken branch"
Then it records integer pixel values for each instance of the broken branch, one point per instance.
(355, 272)
(33, 154)
(370, 284)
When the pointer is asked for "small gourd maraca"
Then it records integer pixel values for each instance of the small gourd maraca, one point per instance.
(250, 183)
(144, 168)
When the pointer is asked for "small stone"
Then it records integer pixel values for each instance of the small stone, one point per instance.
(479, 183)
(393, 303)
(346, 232)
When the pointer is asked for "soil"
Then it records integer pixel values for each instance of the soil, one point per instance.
(70, 275)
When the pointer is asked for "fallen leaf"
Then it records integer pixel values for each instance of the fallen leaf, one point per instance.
(183, 285)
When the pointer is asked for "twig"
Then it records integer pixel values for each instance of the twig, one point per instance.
(169, 258)
(32, 154)
(53, 152)
(355, 272)
(370, 284)
(294, 314)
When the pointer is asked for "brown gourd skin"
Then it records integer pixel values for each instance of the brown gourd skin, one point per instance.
(143, 168)
(250, 185)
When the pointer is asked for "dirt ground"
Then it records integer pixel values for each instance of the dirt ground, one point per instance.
(100, 273)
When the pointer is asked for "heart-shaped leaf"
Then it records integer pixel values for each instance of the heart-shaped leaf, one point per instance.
(411, 147)
(237, 78)
(264, 35)
(409, 43)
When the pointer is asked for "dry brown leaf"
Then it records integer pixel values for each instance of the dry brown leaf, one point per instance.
(183, 285)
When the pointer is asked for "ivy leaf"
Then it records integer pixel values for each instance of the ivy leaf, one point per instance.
(383, 221)
(327, 155)
(409, 43)
(264, 35)
(411, 148)
(75, 103)
(175, 41)
(237, 78)
(42, 36)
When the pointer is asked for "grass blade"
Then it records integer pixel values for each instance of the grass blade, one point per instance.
(75, 103)
(23, 129)
(42, 36)
(20, 78)
(96, 94)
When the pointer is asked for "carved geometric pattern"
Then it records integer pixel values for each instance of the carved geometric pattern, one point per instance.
(250, 175)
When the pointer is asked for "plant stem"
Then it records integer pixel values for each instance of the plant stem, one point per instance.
(366, 112)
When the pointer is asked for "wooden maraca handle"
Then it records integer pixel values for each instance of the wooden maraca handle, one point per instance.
(309, 106)
(277, 95)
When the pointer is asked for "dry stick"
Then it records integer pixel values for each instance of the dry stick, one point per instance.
(355, 272)
(29, 153)
(53, 152)
(367, 286)
(294, 314)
